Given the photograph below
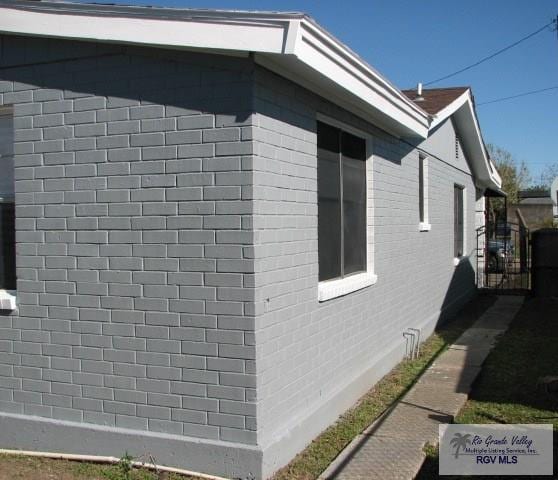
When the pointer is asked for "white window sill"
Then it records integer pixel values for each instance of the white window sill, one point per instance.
(8, 300)
(337, 288)
(458, 260)
(424, 227)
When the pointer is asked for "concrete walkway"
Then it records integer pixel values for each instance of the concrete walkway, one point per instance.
(392, 447)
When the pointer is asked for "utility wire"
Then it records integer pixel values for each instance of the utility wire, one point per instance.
(532, 92)
(482, 60)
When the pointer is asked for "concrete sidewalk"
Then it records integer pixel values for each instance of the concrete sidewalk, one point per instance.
(392, 447)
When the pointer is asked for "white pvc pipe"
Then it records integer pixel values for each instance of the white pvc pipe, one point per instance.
(101, 459)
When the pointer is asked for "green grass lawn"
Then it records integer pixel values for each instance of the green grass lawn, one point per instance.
(506, 390)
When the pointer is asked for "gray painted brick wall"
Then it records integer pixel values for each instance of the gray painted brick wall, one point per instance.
(308, 352)
(132, 232)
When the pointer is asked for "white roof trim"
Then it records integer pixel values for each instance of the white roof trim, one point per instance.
(463, 111)
(323, 53)
(221, 33)
(293, 42)
(450, 109)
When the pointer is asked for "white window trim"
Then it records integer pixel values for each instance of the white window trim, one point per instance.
(8, 298)
(425, 226)
(464, 257)
(338, 287)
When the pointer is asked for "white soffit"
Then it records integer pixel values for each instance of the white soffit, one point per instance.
(290, 43)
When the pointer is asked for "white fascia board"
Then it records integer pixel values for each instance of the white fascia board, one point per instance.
(487, 163)
(283, 36)
(450, 109)
(317, 49)
(221, 34)
(463, 110)
(476, 143)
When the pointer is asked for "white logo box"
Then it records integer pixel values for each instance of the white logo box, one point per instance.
(494, 449)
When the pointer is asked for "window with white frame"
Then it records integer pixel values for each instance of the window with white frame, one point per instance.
(458, 221)
(424, 224)
(343, 230)
(7, 206)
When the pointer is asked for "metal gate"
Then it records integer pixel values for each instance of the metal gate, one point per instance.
(504, 257)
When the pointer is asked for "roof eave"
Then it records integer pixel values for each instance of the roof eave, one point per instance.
(462, 109)
(294, 43)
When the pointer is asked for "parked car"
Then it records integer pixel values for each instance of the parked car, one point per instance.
(500, 254)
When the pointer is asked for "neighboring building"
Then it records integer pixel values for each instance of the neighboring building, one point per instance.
(535, 207)
(224, 224)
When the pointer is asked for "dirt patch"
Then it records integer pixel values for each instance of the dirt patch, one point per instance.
(12, 468)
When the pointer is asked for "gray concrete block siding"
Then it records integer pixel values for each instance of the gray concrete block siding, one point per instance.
(315, 359)
(166, 208)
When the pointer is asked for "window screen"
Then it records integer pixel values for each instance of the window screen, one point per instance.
(7, 206)
(458, 222)
(341, 202)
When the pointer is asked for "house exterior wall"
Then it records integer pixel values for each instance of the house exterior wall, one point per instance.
(134, 260)
(167, 259)
(315, 359)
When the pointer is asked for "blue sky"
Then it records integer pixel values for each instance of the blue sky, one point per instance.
(411, 41)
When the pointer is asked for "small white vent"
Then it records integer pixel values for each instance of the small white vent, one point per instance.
(457, 142)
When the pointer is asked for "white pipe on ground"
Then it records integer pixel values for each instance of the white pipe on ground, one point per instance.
(113, 460)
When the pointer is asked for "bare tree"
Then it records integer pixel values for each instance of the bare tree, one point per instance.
(515, 174)
(548, 175)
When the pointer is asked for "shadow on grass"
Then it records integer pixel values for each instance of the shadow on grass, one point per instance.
(525, 354)
(508, 390)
